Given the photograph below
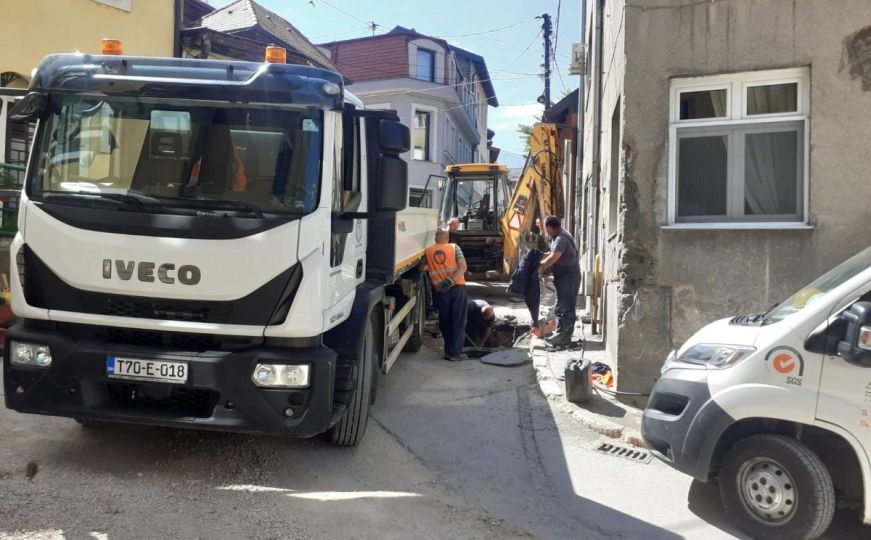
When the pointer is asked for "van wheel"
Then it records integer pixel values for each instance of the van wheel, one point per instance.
(350, 429)
(415, 342)
(774, 487)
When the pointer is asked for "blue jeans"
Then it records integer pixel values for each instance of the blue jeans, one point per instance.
(452, 318)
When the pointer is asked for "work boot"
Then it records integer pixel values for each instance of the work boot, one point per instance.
(560, 339)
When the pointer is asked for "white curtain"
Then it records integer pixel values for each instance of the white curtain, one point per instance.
(718, 100)
(771, 173)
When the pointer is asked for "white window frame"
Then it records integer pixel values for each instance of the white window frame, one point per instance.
(736, 115)
(433, 131)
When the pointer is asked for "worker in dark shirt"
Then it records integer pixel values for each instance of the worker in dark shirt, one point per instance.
(479, 322)
(563, 262)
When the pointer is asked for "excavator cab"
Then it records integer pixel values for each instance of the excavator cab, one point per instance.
(477, 195)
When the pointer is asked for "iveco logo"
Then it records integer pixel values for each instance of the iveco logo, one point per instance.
(187, 274)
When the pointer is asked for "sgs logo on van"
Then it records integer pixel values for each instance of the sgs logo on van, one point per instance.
(787, 362)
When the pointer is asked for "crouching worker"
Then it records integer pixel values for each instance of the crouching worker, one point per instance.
(479, 323)
(447, 269)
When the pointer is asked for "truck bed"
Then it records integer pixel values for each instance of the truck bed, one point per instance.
(415, 231)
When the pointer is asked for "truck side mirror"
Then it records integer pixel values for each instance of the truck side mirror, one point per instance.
(29, 108)
(856, 345)
(389, 188)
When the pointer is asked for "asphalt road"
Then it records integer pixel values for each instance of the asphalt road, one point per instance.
(454, 450)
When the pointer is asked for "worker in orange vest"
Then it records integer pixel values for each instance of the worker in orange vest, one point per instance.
(447, 269)
(240, 179)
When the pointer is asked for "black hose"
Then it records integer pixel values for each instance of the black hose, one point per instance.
(617, 392)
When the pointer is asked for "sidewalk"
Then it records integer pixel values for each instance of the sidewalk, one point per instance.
(603, 413)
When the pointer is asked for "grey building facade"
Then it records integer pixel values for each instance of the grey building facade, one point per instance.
(725, 161)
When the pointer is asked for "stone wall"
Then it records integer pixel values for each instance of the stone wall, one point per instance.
(666, 284)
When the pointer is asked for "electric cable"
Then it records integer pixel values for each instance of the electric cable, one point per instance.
(472, 34)
(601, 388)
(349, 14)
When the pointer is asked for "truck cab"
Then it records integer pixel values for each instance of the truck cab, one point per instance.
(209, 244)
(776, 407)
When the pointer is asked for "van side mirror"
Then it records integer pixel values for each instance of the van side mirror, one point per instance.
(855, 348)
(389, 187)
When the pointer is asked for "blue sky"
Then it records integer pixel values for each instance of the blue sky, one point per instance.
(513, 54)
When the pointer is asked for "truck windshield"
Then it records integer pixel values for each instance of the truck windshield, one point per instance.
(821, 287)
(177, 151)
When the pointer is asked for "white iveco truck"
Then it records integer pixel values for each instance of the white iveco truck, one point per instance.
(210, 244)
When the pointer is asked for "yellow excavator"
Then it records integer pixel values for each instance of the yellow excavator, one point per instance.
(493, 223)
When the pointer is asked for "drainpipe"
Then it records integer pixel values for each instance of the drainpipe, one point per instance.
(598, 15)
(579, 144)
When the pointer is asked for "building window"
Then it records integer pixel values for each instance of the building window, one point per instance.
(739, 147)
(419, 198)
(422, 131)
(425, 67)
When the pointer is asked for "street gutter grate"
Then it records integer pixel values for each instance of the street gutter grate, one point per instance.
(628, 452)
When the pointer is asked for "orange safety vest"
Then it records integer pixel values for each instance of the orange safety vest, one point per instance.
(441, 262)
(240, 180)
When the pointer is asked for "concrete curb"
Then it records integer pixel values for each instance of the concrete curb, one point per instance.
(553, 388)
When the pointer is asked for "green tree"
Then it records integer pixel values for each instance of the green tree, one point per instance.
(524, 131)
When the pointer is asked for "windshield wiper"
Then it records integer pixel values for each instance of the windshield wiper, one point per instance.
(215, 204)
(79, 196)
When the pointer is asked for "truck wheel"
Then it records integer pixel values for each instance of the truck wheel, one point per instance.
(415, 342)
(351, 428)
(774, 487)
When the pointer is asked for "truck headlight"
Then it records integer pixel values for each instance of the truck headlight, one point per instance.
(30, 354)
(281, 375)
(715, 356)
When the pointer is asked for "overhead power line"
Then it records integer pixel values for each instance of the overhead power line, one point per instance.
(483, 32)
(340, 10)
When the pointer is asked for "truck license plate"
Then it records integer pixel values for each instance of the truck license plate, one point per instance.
(146, 370)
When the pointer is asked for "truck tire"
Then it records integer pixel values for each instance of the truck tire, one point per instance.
(350, 429)
(415, 342)
(774, 487)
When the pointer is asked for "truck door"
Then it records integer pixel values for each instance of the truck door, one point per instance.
(347, 248)
(845, 389)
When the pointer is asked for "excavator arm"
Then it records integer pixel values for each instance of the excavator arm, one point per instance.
(538, 193)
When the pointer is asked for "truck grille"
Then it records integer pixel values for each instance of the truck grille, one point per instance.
(177, 401)
(144, 338)
(144, 309)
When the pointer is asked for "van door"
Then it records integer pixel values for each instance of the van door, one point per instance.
(845, 388)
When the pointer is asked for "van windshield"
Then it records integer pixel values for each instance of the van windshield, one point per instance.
(821, 287)
(178, 152)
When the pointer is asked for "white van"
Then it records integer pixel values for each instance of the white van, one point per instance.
(776, 407)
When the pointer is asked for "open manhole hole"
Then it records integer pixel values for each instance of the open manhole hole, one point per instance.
(625, 451)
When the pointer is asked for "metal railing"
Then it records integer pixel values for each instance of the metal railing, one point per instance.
(10, 193)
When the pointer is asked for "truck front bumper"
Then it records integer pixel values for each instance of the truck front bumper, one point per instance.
(219, 393)
(682, 424)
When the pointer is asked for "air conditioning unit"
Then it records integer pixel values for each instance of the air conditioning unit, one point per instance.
(579, 59)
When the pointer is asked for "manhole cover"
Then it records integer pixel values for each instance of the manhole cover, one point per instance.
(625, 451)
